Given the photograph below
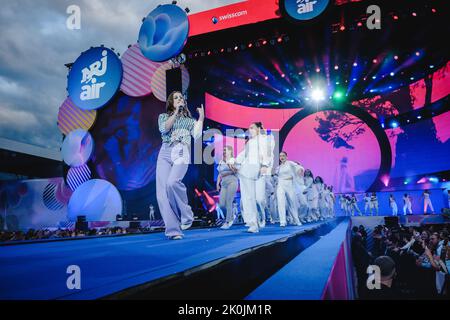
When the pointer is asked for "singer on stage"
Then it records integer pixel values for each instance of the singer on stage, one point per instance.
(176, 126)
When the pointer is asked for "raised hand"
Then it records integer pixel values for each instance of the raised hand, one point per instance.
(201, 113)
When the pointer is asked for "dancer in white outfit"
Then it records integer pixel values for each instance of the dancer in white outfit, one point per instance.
(348, 204)
(393, 205)
(374, 203)
(227, 184)
(302, 202)
(287, 171)
(327, 200)
(366, 203)
(253, 162)
(333, 201)
(310, 193)
(354, 205)
(427, 201)
(407, 204)
(321, 198)
(266, 147)
(313, 198)
(342, 203)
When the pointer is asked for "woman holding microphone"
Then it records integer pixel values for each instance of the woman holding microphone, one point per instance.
(176, 126)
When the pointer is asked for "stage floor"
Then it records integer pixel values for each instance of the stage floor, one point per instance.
(111, 264)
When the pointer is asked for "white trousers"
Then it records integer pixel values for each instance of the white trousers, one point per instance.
(261, 197)
(394, 209)
(427, 203)
(286, 194)
(407, 206)
(248, 198)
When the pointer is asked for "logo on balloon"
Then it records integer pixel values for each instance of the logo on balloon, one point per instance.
(303, 9)
(94, 78)
(163, 33)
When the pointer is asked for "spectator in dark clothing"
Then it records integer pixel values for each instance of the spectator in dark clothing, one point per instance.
(386, 290)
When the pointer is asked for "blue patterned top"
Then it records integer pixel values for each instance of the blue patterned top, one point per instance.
(181, 131)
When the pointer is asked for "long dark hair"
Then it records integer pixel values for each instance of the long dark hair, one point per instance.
(259, 125)
(170, 109)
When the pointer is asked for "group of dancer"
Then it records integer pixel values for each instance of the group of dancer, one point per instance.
(296, 194)
(285, 194)
(349, 204)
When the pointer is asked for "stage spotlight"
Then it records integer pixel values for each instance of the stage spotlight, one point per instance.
(382, 125)
(342, 28)
(374, 60)
(283, 75)
(266, 78)
(394, 124)
(264, 42)
(317, 69)
(395, 17)
(317, 95)
(433, 10)
(412, 78)
(249, 80)
(355, 64)
(336, 67)
(419, 117)
(338, 95)
(392, 74)
(414, 14)
(417, 53)
(359, 24)
(236, 47)
(280, 39)
(395, 57)
(374, 77)
(431, 66)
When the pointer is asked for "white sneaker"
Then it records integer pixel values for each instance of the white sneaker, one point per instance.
(253, 230)
(282, 225)
(225, 226)
(262, 224)
(299, 224)
(178, 237)
(186, 226)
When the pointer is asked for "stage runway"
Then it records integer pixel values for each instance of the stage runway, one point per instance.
(112, 264)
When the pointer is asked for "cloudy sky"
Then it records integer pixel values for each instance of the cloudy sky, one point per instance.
(36, 44)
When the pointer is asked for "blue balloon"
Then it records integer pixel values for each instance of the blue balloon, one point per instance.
(96, 199)
(94, 78)
(305, 9)
(163, 33)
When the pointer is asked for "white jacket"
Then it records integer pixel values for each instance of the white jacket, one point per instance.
(258, 152)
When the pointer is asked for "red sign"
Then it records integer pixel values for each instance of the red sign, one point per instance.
(233, 15)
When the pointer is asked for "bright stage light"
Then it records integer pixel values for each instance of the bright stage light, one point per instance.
(394, 124)
(338, 95)
(317, 95)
